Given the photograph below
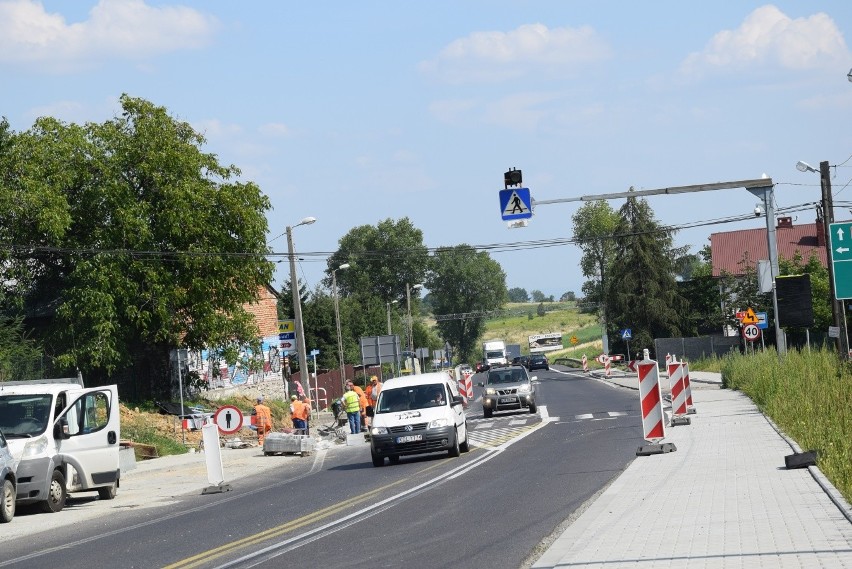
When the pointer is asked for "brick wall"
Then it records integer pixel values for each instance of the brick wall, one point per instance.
(265, 312)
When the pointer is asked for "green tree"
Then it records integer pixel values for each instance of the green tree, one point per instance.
(594, 227)
(642, 293)
(463, 280)
(517, 294)
(708, 298)
(537, 296)
(20, 355)
(141, 241)
(568, 296)
(382, 260)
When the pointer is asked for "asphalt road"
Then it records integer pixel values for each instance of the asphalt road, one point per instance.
(493, 507)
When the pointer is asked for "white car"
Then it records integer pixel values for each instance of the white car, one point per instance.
(418, 414)
(8, 483)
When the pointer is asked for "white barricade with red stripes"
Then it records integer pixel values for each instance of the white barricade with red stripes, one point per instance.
(690, 407)
(585, 363)
(650, 399)
(466, 385)
(678, 388)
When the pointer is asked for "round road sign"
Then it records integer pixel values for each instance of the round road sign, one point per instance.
(751, 332)
(229, 419)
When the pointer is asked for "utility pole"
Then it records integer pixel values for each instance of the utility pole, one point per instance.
(828, 218)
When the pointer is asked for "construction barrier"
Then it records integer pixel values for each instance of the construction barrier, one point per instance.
(690, 408)
(650, 400)
(585, 363)
(466, 385)
(678, 391)
(607, 366)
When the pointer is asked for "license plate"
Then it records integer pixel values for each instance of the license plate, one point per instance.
(409, 439)
(508, 400)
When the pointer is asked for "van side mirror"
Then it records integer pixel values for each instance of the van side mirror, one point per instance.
(480, 384)
(457, 400)
(60, 429)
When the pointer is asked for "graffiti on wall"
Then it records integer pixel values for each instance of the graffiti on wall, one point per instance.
(248, 367)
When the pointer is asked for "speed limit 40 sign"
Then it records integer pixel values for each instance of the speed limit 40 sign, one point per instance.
(751, 332)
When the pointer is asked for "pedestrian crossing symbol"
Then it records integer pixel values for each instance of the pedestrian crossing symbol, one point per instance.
(515, 203)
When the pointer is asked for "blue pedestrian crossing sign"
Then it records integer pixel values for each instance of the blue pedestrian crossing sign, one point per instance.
(626, 334)
(515, 203)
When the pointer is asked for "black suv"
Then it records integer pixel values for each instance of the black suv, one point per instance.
(538, 361)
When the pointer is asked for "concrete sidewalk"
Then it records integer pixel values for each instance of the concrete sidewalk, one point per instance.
(723, 499)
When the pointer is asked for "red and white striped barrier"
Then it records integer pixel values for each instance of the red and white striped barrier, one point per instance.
(585, 363)
(650, 400)
(690, 407)
(607, 366)
(678, 389)
(466, 386)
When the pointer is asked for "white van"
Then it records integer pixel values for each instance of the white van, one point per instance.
(418, 414)
(63, 437)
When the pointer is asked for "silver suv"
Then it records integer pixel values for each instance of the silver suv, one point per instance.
(508, 387)
(7, 482)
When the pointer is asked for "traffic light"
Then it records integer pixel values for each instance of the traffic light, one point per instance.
(513, 178)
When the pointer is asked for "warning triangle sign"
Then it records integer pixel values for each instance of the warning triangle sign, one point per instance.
(515, 205)
(750, 317)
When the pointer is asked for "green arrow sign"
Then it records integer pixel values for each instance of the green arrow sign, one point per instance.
(841, 258)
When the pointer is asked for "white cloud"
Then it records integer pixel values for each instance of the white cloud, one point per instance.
(115, 29)
(274, 129)
(768, 37)
(503, 56)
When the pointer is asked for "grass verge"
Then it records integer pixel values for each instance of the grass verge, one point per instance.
(809, 396)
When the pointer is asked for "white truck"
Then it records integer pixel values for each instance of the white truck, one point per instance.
(494, 352)
(63, 437)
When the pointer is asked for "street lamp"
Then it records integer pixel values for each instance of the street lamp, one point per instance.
(410, 322)
(337, 319)
(389, 322)
(837, 312)
(297, 309)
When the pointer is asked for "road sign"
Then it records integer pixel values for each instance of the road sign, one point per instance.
(287, 345)
(751, 332)
(287, 336)
(515, 203)
(286, 326)
(574, 340)
(750, 317)
(229, 419)
(314, 353)
(602, 359)
(626, 334)
(632, 365)
(841, 258)
(761, 321)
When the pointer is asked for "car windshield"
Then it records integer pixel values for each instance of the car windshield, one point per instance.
(507, 376)
(24, 415)
(411, 398)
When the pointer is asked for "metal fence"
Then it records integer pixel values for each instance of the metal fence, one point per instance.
(696, 348)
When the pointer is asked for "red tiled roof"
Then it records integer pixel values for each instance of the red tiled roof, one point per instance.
(733, 251)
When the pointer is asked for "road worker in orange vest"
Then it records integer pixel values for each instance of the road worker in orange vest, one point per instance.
(373, 391)
(263, 420)
(298, 413)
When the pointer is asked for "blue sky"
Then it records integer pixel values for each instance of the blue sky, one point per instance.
(356, 112)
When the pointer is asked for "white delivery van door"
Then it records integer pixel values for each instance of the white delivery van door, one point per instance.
(93, 422)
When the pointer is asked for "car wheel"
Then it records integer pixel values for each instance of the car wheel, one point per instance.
(377, 460)
(7, 502)
(455, 451)
(56, 494)
(532, 408)
(394, 459)
(486, 412)
(108, 492)
(465, 444)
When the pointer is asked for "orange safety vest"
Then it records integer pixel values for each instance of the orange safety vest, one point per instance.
(362, 398)
(300, 410)
(263, 416)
